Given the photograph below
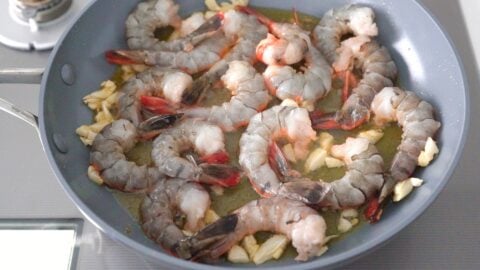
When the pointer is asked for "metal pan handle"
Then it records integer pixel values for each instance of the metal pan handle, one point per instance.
(20, 76)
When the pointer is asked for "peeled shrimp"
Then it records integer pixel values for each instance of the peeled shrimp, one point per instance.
(378, 71)
(206, 140)
(152, 14)
(416, 117)
(314, 83)
(364, 164)
(205, 51)
(249, 96)
(361, 182)
(338, 22)
(155, 81)
(149, 15)
(163, 205)
(247, 32)
(288, 45)
(107, 156)
(285, 46)
(298, 222)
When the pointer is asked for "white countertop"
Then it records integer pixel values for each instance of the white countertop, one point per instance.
(445, 237)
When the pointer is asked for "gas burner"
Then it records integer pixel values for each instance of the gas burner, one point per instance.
(36, 24)
(39, 10)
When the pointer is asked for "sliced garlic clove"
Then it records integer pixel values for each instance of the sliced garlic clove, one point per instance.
(238, 255)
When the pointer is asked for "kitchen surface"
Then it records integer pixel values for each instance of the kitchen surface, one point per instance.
(444, 237)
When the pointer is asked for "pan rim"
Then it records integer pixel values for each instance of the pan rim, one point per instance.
(335, 261)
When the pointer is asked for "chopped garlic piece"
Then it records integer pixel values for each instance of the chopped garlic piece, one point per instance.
(354, 221)
(321, 251)
(217, 190)
(372, 135)
(187, 233)
(416, 182)
(94, 100)
(289, 153)
(308, 105)
(349, 213)
(401, 190)
(315, 160)
(210, 217)
(344, 225)
(94, 175)
(289, 103)
(427, 155)
(270, 248)
(237, 255)
(332, 162)
(325, 140)
(249, 243)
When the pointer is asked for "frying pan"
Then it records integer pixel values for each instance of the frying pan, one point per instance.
(427, 62)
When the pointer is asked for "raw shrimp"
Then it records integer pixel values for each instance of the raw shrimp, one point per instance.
(207, 140)
(290, 45)
(339, 22)
(416, 117)
(364, 164)
(314, 83)
(148, 16)
(286, 46)
(249, 96)
(152, 14)
(165, 203)
(247, 31)
(107, 156)
(378, 71)
(194, 59)
(361, 182)
(298, 222)
(155, 81)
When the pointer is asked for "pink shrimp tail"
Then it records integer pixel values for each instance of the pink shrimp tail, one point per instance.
(261, 18)
(122, 57)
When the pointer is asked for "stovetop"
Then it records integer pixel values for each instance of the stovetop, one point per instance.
(445, 237)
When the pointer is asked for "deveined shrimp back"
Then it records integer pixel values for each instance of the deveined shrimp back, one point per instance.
(338, 22)
(148, 16)
(364, 164)
(204, 139)
(163, 205)
(249, 96)
(362, 180)
(196, 52)
(300, 223)
(378, 71)
(288, 45)
(308, 86)
(247, 32)
(107, 155)
(416, 117)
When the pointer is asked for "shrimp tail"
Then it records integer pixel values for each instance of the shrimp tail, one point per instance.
(125, 57)
(152, 126)
(192, 95)
(220, 174)
(208, 239)
(374, 210)
(307, 191)
(278, 162)
(339, 120)
(157, 105)
(261, 18)
(211, 25)
(220, 157)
